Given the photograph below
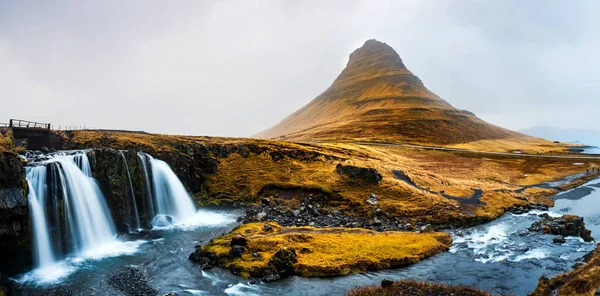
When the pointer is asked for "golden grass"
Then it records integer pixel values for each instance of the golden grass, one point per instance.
(416, 288)
(455, 173)
(327, 251)
(528, 145)
(6, 142)
(582, 281)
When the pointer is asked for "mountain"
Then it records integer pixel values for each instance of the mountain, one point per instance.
(376, 98)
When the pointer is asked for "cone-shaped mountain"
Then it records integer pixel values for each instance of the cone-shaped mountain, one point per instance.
(376, 98)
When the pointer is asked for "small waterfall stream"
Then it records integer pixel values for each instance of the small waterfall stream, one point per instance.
(132, 193)
(172, 200)
(36, 178)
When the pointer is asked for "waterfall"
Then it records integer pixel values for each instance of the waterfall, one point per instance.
(148, 202)
(172, 200)
(132, 193)
(36, 179)
(88, 217)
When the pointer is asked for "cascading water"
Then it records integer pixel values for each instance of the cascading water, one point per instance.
(91, 223)
(86, 215)
(132, 193)
(36, 178)
(148, 202)
(71, 219)
(171, 199)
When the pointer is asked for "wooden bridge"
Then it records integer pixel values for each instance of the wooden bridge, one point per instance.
(33, 135)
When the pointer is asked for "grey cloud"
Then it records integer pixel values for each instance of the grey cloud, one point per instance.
(233, 68)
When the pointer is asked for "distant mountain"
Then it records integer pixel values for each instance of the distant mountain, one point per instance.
(376, 98)
(570, 135)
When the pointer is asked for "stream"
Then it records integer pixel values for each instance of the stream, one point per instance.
(499, 257)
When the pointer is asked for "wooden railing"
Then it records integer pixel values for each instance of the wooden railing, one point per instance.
(2, 124)
(28, 124)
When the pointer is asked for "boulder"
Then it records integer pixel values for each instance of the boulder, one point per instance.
(239, 240)
(369, 175)
(281, 265)
(559, 239)
(386, 283)
(206, 260)
(567, 225)
(236, 251)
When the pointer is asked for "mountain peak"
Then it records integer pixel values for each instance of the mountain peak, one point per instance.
(375, 59)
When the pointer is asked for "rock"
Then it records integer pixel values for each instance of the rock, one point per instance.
(522, 232)
(373, 196)
(268, 228)
(236, 251)
(261, 216)
(385, 283)
(369, 175)
(266, 201)
(205, 259)
(282, 263)
(371, 201)
(14, 213)
(270, 276)
(377, 222)
(170, 294)
(255, 255)
(567, 225)
(239, 240)
(559, 239)
(460, 234)
(296, 213)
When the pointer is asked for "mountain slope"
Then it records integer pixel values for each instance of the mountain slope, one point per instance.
(376, 98)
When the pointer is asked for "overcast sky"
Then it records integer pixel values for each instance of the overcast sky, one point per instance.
(234, 68)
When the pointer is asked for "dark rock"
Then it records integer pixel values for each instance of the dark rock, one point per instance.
(239, 240)
(206, 260)
(559, 239)
(282, 263)
(266, 201)
(385, 283)
(14, 214)
(270, 276)
(276, 156)
(522, 232)
(567, 225)
(268, 228)
(236, 251)
(369, 175)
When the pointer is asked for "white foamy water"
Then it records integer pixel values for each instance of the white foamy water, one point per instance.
(242, 290)
(58, 271)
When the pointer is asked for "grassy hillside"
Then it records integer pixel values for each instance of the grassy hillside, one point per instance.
(431, 186)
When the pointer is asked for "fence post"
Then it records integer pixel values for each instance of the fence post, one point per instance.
(10, 123)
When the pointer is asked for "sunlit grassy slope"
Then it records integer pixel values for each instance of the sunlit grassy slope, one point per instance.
(313, 166)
